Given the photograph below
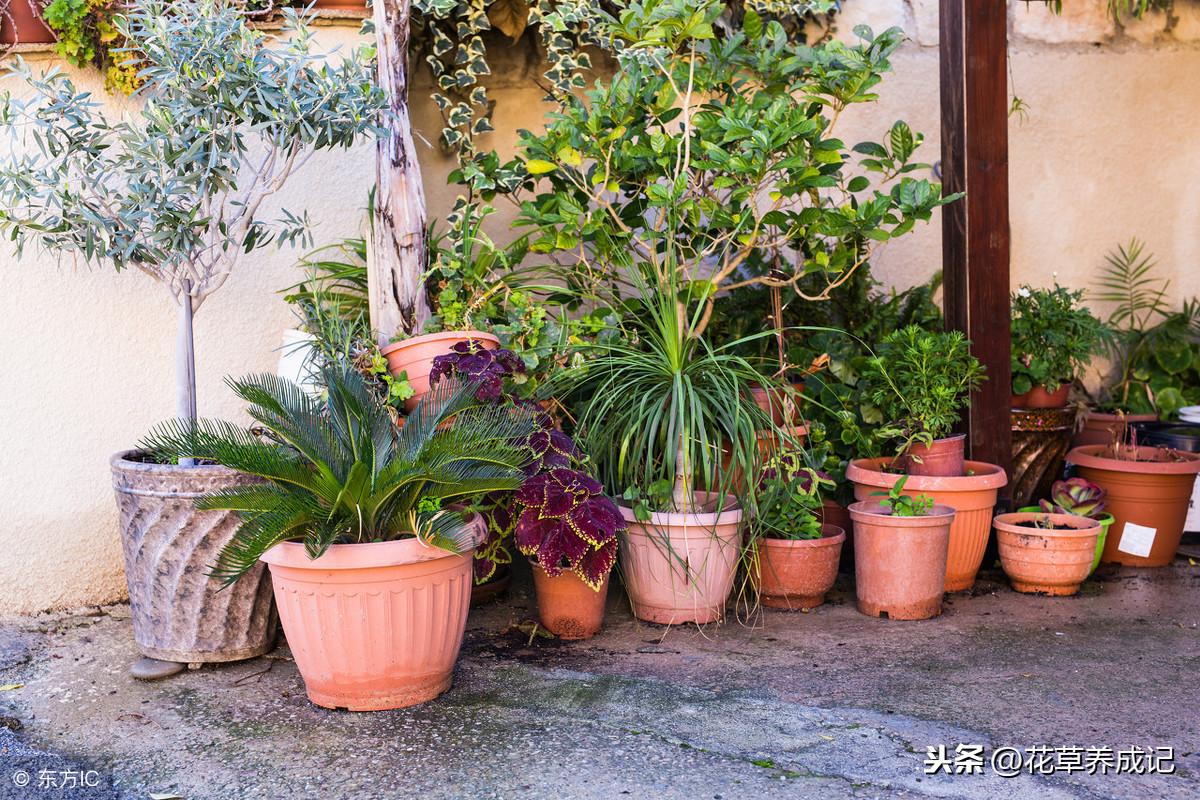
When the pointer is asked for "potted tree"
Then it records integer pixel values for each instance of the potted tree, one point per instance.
(1053, 338)
(1046, 553)
(794, 559)
(920, 378)
(900, 548)
(176, 190)
(371, 567)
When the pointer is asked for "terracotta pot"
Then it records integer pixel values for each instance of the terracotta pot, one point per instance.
(900, 562)
(1105, 521)
(680, 567)
(30, 28)
(796, 573)
(415, 356)
(1148, 500)
(1098, 428)
(780, 405)
(1054, 562)
(833, 514)
(942, 458)
(568, 607)
(769, 445)
(372, 626)
(180, 613)
(972, 496)
(1038, 397)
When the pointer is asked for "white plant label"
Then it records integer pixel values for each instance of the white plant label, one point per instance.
(1136, 540)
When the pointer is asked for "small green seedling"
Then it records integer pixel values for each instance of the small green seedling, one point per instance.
(902, 505)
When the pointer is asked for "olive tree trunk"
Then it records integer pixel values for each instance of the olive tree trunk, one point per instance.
(396, 258)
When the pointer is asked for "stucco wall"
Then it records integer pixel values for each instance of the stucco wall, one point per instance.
(1108, 151)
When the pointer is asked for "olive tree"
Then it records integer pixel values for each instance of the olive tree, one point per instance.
(176, 188)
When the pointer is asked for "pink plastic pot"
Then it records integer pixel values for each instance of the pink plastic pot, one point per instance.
(680, 567)
(973, 496)
(415, 356)
(372, 626)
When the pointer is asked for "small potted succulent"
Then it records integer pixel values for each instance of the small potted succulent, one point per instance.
(795, 558)
(1046, 553)
(1053, 338)
(900, 548)
(568, 528)
(1083, 499)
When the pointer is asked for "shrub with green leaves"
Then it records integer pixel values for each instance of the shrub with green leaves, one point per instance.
(789, 499)
(1053, 337)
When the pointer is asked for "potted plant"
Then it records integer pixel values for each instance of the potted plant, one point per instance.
(371, 567)
(1046, 553)
(1083, 499)
(921, 378)
(176, 190)
(794, 560)
(1149, 491)
(900, 547)
(21, 22)
(1053, 338)
(568, 528)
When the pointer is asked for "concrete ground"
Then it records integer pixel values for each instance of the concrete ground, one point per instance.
(827, 704)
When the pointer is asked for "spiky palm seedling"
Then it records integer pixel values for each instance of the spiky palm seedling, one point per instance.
(338, 473)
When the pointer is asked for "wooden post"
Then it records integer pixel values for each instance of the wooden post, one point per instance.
(975, 230)
(396, 256)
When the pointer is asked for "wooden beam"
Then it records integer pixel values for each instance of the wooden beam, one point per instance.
(975, 230)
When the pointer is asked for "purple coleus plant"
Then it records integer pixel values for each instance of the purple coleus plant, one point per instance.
(1075, 496)
(567, 524)
(470, 362)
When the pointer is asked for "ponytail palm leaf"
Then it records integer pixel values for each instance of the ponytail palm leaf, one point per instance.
(338, 473)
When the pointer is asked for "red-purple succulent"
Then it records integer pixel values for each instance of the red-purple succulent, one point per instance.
(1075, 496)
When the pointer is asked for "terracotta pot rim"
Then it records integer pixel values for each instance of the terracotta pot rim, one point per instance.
(826, 540)
(1081, 526)
(731, 512)
(869, 472)
(435, 337)
(866, 511)
(1090, 456)
(365, 555)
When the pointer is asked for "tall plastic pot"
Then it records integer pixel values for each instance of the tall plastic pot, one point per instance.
(900, 562)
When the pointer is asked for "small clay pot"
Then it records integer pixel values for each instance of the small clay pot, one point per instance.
(568, 607)
(414, 357)
(1098, 428)
(1042, 560)
(941, 458)
(792, 574)
(1038, 397)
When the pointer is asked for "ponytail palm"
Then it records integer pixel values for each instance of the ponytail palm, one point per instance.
(337, 472)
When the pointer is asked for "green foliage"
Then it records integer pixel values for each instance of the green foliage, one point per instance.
(87, 35)
(1053, 337)
(338, 473)
(1157, 350)
(920, 380)
(789, 498)
(902, 505)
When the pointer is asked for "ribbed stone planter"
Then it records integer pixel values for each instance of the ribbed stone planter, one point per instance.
(178, 614)
(1040, 440)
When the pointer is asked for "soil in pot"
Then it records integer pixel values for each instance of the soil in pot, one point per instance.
(1148, 498)
(1053, 561)
(568, 607)
(900, 562)
(793, 574)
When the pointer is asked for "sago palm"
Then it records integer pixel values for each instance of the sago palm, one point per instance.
(337, 472)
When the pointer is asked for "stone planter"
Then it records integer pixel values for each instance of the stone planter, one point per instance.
(178, 613)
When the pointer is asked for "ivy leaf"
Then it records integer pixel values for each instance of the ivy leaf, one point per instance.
(509, 16)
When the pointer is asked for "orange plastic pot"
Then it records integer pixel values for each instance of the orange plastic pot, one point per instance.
(942, 458)
(1148, 500)
(372, 626)
(1099, 428)
(792, 574)
(1046, 561)
(900, 562)
(415, 356)
(1038, 397)
(973, 496)
(680, 567)
(568, 607)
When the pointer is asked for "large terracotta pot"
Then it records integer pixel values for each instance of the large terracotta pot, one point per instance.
(179, 613)
(372, 626)
(973, 496)
(568, 607)
(1046, 561)
(939, 458)
(680, 567)
(900, 562)
(1098, 428)
(30, 28)
(796, 573)
(415, 356)
(1038, 397)
(1148, 500)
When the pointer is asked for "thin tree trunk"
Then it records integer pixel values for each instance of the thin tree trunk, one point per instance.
(185, 364)
(397, 257)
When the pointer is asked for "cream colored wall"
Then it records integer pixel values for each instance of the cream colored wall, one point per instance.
(1107, 152)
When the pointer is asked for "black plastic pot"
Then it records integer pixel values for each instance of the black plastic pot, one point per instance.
(1176, 435)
